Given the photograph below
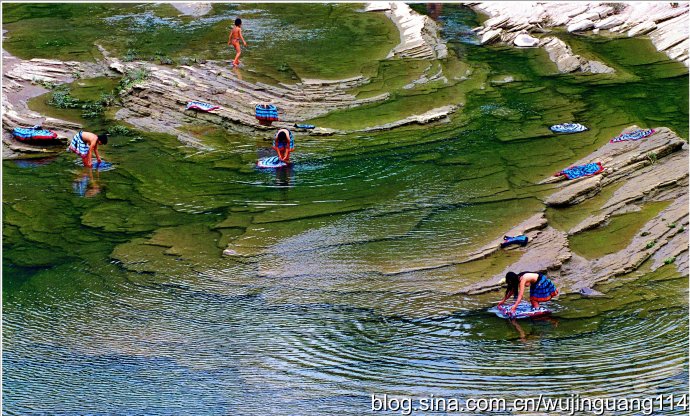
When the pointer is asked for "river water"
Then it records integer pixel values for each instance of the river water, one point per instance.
(117, 299)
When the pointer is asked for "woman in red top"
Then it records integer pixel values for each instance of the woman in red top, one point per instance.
(283, 144)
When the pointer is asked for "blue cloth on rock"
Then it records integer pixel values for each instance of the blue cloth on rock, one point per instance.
(579, 171)
(520, 239)
(633, 135)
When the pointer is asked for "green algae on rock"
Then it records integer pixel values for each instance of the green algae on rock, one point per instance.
(599, 242)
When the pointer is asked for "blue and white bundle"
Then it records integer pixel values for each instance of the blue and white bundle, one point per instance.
(633, 135)
(270, 162)
(568, 128)
(201, 106)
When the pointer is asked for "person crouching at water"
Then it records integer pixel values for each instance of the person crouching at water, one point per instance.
(85, 144)
(541, 288)
(283, 144)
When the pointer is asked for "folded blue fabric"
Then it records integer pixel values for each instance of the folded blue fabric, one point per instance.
(201, 106)
(633, 135)
(575, 172)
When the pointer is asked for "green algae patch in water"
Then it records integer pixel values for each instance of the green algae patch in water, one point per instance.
(390, 75)
(450, 279)
(617, 234)
(661, 291)
(41, 106)
(400, 105)
(605, 104)
(94, 97)
(135, 31)
(90, 89)
(214, 136)
(41, 30)
(646, 98)
(174, 250)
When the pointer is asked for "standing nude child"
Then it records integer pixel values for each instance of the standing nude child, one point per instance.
(234, 40)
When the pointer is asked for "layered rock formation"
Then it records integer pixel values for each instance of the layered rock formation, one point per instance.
(157, 102)
(649, 170)
(436, 114)
(419, 36)
(566, 61)
(666, 25)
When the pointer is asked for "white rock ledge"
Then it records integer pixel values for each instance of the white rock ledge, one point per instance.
(666, 26)
(419, 37)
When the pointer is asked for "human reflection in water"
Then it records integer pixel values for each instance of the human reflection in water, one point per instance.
(237, 72)
(538, 324)
(434, 10)
(86, 185)
(284, 175)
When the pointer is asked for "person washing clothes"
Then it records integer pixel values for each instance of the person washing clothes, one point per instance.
(284, 144)
(541, 289)
(85, 144)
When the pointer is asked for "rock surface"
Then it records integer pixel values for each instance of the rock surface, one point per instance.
(419, 35)
(193, 8)
(566, 61)
(609, 22)
(642, 29)
(157, 103)
(666, 26)
(525, 41)
(491, 36)
(432, 115)
(580, 25)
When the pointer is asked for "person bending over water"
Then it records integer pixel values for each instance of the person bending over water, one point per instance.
(85, 143)
(282, 145)
(234, 41)
(541, 288)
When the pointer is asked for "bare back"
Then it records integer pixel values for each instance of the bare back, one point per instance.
(89, 138)
(529, 278)
(235, 34)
